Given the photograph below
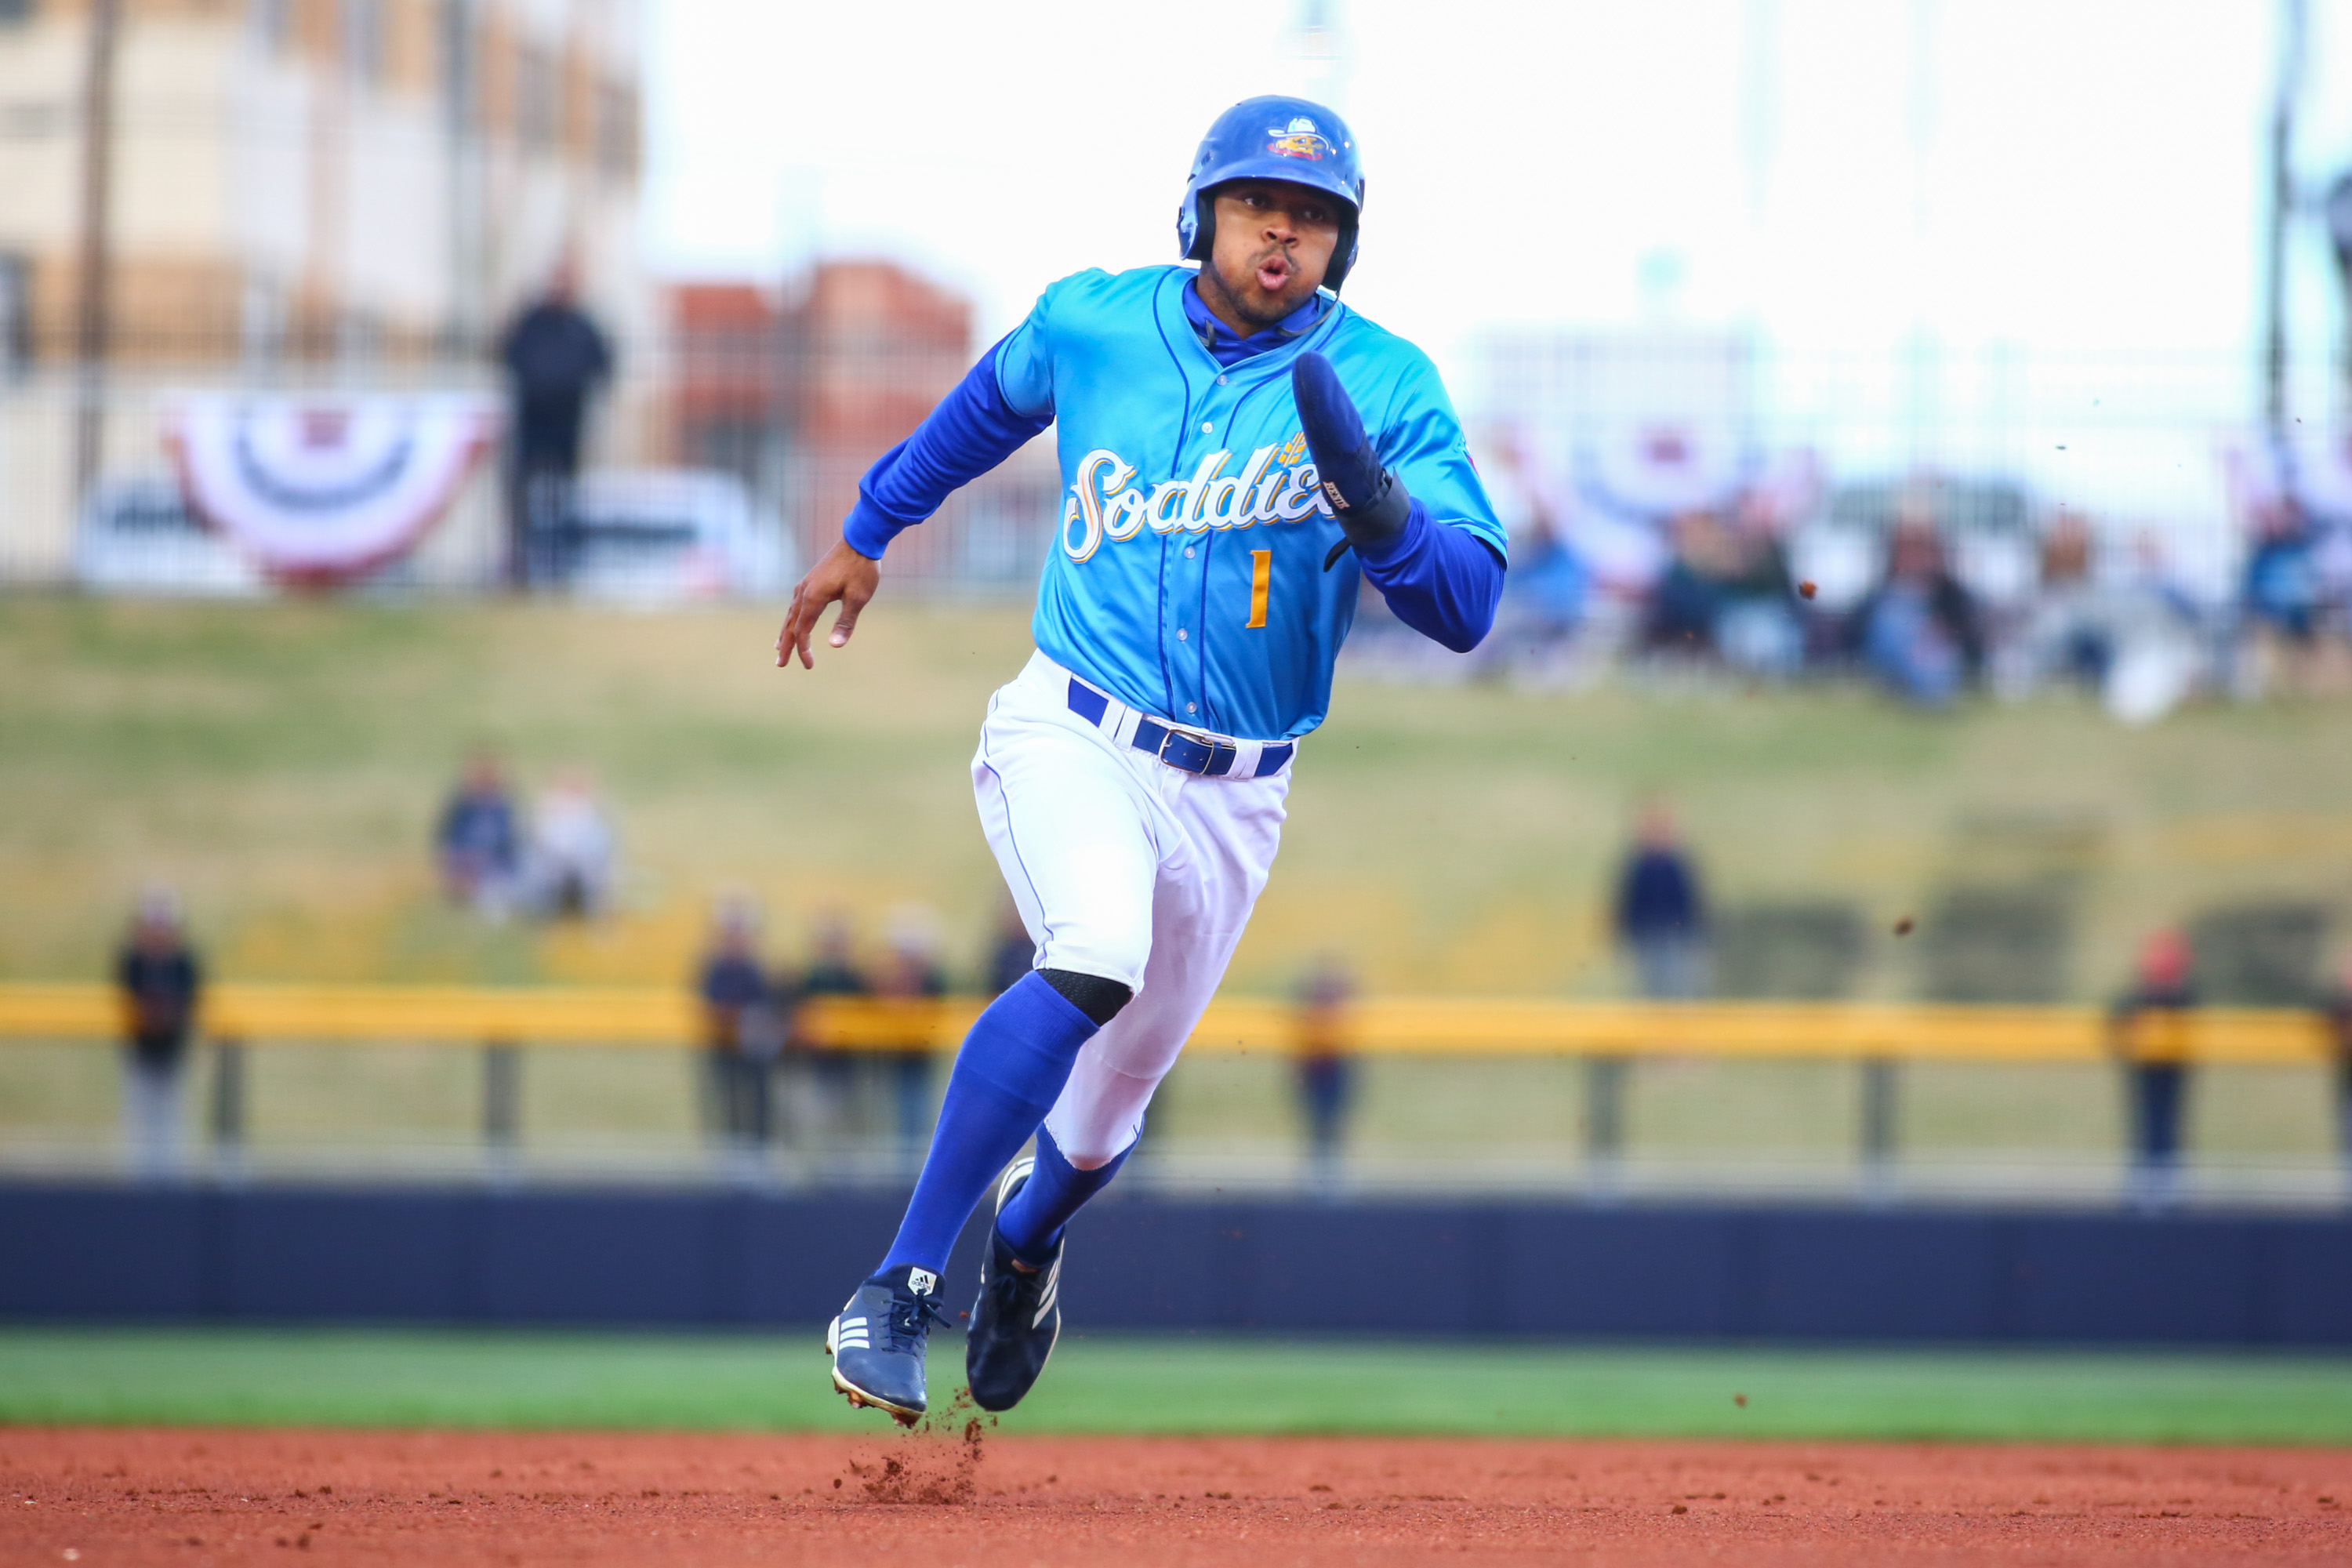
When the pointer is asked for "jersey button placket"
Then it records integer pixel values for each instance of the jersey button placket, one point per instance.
(1193, 551)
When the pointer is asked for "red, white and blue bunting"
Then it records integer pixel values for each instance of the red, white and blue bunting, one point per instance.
(321, 489)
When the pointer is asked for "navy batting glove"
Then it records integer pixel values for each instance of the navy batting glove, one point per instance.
(1367, 501)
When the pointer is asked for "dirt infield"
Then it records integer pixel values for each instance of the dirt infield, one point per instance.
(190, 1498)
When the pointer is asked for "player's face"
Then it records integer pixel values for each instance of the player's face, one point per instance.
(1274, 244)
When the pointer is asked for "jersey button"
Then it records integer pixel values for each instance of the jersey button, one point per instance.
(1188, 553)
(1180, 634)
(1208, 425)
(1191, 708)
(1224, 379)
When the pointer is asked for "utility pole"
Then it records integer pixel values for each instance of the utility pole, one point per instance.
(93, 324)
(2291, 17)
(467, 327)
(2339, 211)
(1924, 352)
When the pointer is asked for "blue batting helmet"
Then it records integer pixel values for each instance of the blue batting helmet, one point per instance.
(1274, 138)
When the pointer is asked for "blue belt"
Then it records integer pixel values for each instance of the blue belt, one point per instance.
(1202, 755)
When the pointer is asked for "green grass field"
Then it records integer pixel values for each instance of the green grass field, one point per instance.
(281, 764)
(1117, 1385)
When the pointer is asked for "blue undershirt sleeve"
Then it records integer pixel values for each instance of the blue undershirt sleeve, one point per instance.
(974, 428)
(1441, 581)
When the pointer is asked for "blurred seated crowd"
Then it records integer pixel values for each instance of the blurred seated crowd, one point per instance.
(1931, 587)
(558, 862)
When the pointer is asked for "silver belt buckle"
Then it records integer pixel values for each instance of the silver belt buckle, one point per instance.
(1206, 744)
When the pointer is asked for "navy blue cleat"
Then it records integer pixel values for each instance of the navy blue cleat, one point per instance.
(877, 1342)
(1018, 1316)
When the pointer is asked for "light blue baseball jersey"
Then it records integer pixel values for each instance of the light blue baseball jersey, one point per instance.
(1186, 578)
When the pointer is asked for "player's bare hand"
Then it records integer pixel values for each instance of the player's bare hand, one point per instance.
(841, 576)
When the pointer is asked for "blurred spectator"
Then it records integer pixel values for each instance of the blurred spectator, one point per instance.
(161, 985)
(1686, 600)
(2339, 1031)
(2132, 638)
(2159, 638)
(1727, 592)
(2298, 578)
(2148, 1031)
(571, 849)
(832, 970)
(1011, 954)
(1755, 626)
(2282, 577)
(2068, 634)
(1661, 917)
(911, 971)
(555, 358)
(477, 844)
(1326, 1074)
(1920, 631)
(1544, 600)
(742, 1032)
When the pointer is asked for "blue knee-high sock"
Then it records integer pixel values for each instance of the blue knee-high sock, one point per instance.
(1007, 1076)
(1031, 1223)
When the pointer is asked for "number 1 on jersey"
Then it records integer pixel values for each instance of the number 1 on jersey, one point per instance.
(1261, 580)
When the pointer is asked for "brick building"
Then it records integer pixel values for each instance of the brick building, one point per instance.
(315, 179)
(799, 395)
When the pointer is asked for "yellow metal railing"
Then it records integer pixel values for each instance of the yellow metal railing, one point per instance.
(658, 1018)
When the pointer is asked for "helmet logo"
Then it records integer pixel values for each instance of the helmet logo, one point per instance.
(1300, 139)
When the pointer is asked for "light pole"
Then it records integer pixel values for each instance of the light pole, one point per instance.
(93, 327)
(2339, 213)
(2288, 85)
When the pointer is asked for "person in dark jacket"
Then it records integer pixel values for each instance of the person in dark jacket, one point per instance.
(911, 974)
(833, 1074)
(2148, 1031)
(1011, 954)
(162, 984)
(477, 843)
(555, 358)
(742, 1032)
(2338, 1017)
(1325, 1066)
(1921, 632)
(1661, 917)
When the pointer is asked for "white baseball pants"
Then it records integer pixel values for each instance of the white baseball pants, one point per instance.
(1125, 868)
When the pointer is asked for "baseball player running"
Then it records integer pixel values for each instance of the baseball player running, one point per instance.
(1238, 450)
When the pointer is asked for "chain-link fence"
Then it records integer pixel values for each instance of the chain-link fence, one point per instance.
(1678, 499)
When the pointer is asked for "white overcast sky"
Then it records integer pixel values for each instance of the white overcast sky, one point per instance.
(2071, 175)
(2066, 189)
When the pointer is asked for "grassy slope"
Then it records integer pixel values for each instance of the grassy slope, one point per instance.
(360, 1378)
(281, 764)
